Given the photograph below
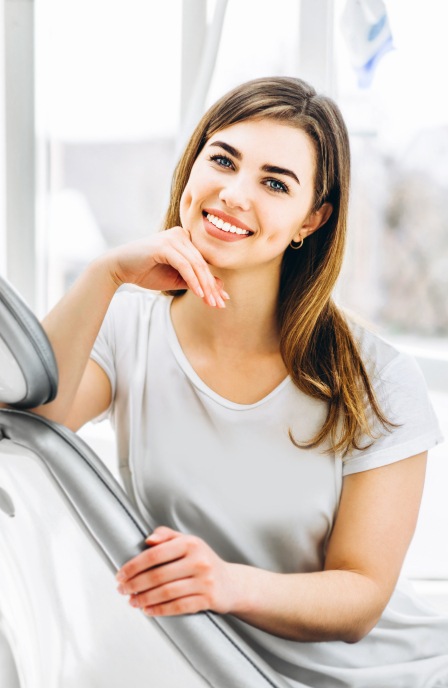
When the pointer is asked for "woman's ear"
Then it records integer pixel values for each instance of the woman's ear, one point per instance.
(315, 220)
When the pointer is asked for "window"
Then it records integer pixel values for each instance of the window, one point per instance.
(108, 84)
(396, 273)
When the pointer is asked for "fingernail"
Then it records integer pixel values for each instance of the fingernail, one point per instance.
(212, 300)
(133, 602)
(154, 537)
(221, 303)
(200, 292)
(120, 576)
(225, 295)
(120, 589)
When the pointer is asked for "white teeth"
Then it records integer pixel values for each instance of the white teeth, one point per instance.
(225, 226)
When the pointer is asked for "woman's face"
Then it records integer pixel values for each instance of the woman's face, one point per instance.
(250, 193)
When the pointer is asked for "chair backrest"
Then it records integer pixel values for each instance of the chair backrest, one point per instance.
(28, 371)
(65, 527)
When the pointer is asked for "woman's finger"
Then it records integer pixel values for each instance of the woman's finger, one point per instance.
(162, 534)
(199, 278)
(155, 577)
(172, 590)
(183, 605)
(176, 249)
(220, 285)
(187, 271)
(213, 286)
(180, 253)
(154, 556)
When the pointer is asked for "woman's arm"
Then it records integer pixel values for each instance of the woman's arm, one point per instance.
(374, 527)
(167, 260)
(72, 327)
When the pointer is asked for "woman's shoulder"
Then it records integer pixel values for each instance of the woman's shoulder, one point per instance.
(133, 294)
(386, 365)
(402, 394)
(131, 314)
(376, 351)
(132, 303)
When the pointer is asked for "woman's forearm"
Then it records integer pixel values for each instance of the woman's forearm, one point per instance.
(72, 327)
(308, 607)
(182, 574)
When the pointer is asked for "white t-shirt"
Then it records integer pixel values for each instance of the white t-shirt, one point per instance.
(229, 473)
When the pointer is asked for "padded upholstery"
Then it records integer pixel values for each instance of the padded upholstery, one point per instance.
(29, 374)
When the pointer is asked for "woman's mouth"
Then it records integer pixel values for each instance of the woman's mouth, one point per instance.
(221, 229)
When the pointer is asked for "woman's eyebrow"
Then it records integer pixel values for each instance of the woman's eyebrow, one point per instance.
(280, 170)
(230, 149)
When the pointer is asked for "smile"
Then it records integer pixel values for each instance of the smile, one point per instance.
(225, 226)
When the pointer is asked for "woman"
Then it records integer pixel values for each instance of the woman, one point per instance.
(281, 447)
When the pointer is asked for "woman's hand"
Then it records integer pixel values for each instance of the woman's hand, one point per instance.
(167, 260)
(178, 574)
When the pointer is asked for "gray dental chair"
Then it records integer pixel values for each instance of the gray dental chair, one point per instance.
(66, 526)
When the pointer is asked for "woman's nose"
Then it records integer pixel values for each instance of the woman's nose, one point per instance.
(235, 194)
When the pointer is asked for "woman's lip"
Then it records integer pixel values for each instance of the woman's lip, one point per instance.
(221, 234)
(228, 218)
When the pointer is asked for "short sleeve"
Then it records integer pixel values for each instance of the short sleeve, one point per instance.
(103, 353)
(403, 397)
(122, 335)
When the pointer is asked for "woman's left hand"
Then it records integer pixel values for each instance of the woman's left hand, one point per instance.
(178, 574)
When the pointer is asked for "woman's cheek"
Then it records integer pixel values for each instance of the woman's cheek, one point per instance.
(184, 206)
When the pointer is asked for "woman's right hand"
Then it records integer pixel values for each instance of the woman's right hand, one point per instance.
(167, 260)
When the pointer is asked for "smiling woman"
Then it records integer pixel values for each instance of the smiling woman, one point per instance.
(276, 442)
(258, 205)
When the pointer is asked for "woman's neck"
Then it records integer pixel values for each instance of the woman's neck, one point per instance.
(247, 324)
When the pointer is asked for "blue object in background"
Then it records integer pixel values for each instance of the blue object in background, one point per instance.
(365, 27)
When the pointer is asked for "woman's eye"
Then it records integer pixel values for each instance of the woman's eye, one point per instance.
(222, 160)
(276, 185)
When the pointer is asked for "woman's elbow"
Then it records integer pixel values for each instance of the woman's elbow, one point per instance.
(354, 637)
(359, 631)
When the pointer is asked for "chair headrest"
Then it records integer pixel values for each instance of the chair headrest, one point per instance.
(28, 370)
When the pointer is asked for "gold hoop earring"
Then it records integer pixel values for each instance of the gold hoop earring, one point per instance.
(296, 244)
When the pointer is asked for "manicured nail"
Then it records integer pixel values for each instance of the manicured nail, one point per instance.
(120, 589)
(200, 292)
(225, 295)
(212, 300)
(120, 576)
(221, 303)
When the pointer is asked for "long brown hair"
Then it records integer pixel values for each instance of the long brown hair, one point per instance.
(316, 343)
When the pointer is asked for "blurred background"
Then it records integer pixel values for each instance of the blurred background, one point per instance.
(98, 97)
